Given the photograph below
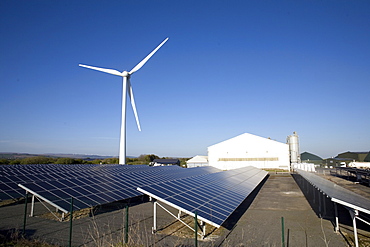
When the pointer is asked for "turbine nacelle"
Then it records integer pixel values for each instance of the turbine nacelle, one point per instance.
(125, 74)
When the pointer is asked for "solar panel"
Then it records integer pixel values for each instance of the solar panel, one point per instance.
(9, 188)
(337, 193)
(12, 175)
(106, 186)
(214, 196)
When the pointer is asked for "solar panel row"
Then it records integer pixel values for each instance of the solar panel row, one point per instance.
(14, 170)
(12, 175)
(213, 196)
(106, 186)
(337, 193)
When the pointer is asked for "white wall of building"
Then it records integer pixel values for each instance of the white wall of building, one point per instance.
(249, 150)
(197, 161)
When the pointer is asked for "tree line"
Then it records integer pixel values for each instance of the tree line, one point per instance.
(51, 160)
(144, 159)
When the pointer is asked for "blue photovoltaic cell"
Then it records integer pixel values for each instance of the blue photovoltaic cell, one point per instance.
(214, 196)
(12, 175)
(107, 185)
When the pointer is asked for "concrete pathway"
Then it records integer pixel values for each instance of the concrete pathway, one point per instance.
(261, 224)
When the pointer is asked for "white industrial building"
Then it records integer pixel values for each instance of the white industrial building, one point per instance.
(197, 161)
(249, 150)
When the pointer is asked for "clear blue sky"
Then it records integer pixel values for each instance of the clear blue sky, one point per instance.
(263, 67)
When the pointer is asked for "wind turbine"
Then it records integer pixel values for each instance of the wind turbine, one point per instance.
(126, 89)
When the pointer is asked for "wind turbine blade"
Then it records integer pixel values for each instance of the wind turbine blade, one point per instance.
(109, 71)
(132, 99)
(141, 64)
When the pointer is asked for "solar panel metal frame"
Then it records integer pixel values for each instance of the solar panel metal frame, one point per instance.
(352, 201)
(209, 180)
(136, 178)
(337, 193)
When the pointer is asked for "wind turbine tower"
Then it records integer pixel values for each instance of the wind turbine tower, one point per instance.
(126, 90)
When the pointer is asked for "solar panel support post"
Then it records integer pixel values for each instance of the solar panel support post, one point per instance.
(183, 222)
(196, 228)
(308, 185)
(203, 226)
(126, 225)
(336, 217)
(354, 214)
(154, 228)
(324, 203)
(32, 206)
(70, 222)
(25, 213)
(320, 204)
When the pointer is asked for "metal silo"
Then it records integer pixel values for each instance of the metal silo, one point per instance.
(292, 141)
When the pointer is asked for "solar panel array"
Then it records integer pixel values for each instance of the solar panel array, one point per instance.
(92, 185)
(214, 196)
(12, 175)
(337, 193)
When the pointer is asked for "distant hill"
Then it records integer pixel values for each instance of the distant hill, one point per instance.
(13, 156)
(80, 156)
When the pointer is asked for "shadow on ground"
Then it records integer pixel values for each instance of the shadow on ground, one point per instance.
(243, 207)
